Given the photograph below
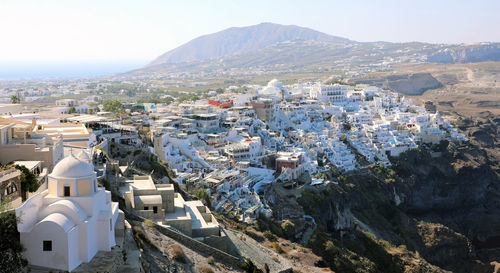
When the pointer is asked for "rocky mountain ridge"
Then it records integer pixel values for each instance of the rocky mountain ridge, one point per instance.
(238, 40)
(292, 48)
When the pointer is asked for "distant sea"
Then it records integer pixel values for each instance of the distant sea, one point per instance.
(70, 69)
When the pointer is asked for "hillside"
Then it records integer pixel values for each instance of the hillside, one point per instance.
(433, 213)
(237, 40)
(406, 84)
(467, 54)
(269, 47)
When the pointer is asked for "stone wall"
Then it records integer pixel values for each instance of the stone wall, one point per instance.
(192, 243)
(199, 246)
(9, 153)
(219, 242)
(147, 214)
(183, 225)
(205, 231)
(10, 178)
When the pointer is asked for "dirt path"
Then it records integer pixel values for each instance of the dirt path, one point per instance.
(132, 263)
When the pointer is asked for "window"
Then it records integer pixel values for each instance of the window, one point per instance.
(146, 208)
(47, 245)
(155, 209)
(67, 191)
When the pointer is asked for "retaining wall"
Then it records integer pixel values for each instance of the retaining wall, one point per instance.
(191, 243)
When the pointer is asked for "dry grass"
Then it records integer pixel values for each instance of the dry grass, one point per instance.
(276, 247)
(149, 223)
(177, 253)
(204, 269)
(210, 260)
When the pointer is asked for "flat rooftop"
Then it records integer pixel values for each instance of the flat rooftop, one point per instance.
(28, 164)
(142, 183)
(197, 219)
(179, 211)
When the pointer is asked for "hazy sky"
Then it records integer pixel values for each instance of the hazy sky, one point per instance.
(108, 30)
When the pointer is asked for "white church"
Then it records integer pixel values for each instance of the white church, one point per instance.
(71, 221)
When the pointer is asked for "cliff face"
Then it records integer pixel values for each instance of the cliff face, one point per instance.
(460, 189)
(467, 54)
(444, 206)
(406, 84)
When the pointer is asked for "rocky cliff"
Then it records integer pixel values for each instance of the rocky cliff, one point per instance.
(482, 52)
(406, 84)
(432, 211)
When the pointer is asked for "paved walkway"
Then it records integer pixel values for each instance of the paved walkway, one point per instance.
(132, 264)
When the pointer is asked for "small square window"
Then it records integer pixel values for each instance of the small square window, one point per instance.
(47, 245)
(146, 208)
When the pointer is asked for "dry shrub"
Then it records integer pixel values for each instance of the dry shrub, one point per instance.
(210, 260)
(177, 253)
(149, 223)
(204, 269)
(277, 248)
(254, 235)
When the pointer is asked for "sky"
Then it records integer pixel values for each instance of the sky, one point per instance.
(132, 31)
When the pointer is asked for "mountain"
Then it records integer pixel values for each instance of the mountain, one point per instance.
(238, 40)
(273, 48)
(467, 53)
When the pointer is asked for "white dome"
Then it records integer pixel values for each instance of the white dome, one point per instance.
(275, 83)
(273, 88)
(72, 167)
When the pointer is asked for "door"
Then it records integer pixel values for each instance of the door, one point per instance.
(67, 191)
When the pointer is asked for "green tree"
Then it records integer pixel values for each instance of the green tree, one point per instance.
(15, 99)
(11, 259)
(202, 194)
(188, 98)
(72, 110)
(112, 106)
(29, 181)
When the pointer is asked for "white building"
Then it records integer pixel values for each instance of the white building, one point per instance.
(71, 221)
(333, 94)
(63, 106)
(247, 150)
(290, 164)
(206, 123)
